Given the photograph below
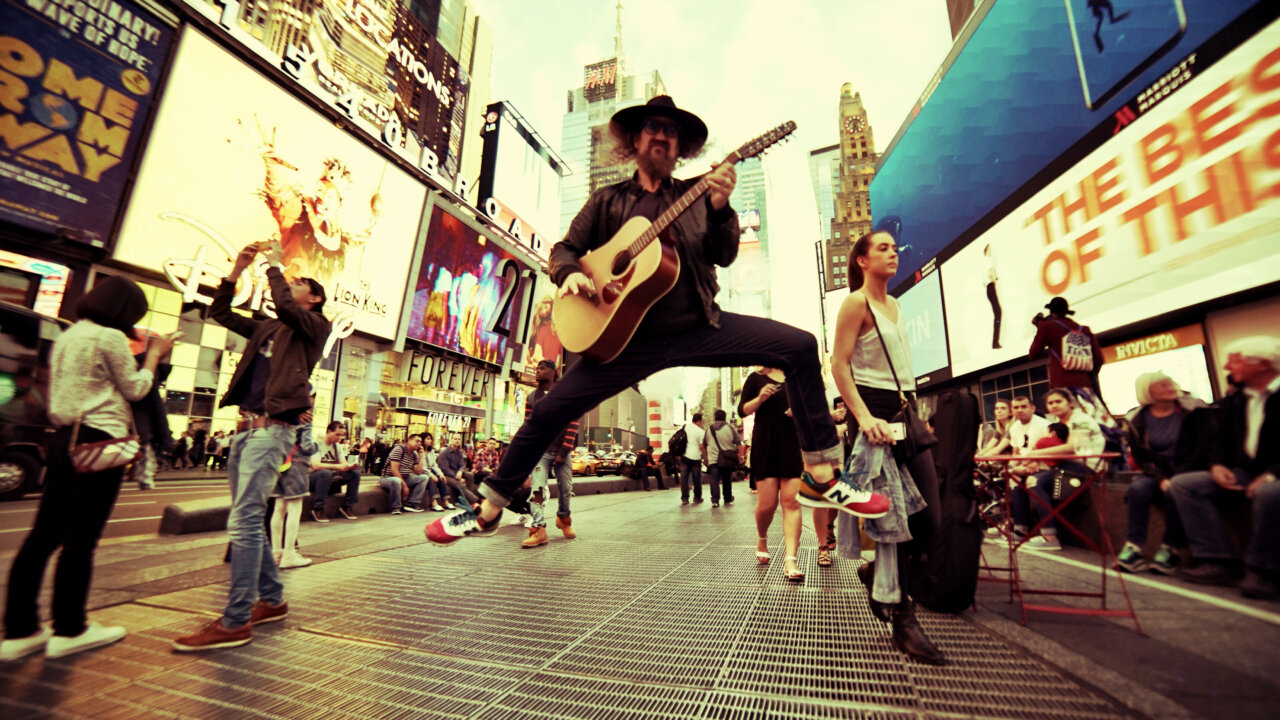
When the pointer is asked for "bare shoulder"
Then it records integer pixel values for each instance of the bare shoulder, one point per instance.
(856, 301)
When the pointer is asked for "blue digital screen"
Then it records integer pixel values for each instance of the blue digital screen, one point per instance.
(1015, 99)
(926, 327)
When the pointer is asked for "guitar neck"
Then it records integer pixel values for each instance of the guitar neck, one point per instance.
(676, 210)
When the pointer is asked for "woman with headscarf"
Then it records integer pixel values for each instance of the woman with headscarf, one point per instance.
(93, 379)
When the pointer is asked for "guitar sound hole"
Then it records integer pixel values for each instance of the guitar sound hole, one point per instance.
(620, 262)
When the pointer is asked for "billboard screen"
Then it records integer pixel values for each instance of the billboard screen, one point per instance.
(926, 330)
(378, 63)
(75, 95)
(233, 159)
(1179, 209)
(520, 174)
(1017, 106)
(465, 295)
(600, 80)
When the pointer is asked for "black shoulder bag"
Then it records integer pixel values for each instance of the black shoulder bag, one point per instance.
(918, 438)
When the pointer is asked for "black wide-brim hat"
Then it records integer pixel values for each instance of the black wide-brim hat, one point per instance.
(693, 132)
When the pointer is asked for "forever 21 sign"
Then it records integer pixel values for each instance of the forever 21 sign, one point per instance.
(444, 373)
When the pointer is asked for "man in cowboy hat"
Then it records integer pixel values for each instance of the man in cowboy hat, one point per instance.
(684, 327)
(1050, 332)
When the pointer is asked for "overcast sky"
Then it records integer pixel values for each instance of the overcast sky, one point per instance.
(743, 66)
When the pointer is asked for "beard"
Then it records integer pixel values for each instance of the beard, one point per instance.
(657, 167)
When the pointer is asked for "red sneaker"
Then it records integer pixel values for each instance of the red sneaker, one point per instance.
(460, 524)
(841, 496)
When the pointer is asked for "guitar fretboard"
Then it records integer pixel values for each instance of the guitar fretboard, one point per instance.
(679, 206)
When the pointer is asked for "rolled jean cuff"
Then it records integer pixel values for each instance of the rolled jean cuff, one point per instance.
(494, 496)
(833, 455)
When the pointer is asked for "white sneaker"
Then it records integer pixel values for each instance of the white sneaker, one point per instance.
(1043, 542)
(14, 648)
(94, 636)
(293, 560)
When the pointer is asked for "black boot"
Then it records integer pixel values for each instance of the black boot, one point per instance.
(867, 574)
(909, 637)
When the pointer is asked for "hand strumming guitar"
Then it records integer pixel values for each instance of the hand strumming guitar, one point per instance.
(577, 284)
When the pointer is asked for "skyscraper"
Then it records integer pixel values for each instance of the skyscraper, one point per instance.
(852, 212)
(607, 87)
(824, 170)
(744, 285)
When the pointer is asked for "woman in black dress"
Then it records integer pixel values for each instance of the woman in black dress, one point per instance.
(775, 462)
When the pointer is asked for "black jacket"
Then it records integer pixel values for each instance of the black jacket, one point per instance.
(1229, 448)
(1192, 412)
(710, 237)
(300, 335)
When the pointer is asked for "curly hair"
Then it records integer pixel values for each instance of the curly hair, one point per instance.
(624, 144)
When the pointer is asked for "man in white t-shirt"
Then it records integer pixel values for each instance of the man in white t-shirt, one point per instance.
(695, 454)
(1027, 427)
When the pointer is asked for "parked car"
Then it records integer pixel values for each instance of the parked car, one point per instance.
(619, 463)
(26, 338)
(586, 464)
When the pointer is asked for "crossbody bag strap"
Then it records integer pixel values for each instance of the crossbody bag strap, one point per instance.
(901, 396)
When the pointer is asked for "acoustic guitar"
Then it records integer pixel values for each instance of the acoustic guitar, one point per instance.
(631, 272)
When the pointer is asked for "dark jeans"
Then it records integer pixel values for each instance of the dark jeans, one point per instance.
(322, 480)
(995, 312)
(690, 472)
(643, 473)
(721, 477)
(884, 404)
(739, 341)
(1144, 492)
(1020, 503)
(73, 511)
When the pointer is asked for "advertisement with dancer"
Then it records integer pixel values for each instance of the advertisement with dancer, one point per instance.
(233, 158)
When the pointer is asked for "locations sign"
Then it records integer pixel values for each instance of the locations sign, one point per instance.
(76, 86)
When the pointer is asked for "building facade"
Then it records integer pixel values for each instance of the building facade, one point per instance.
(852, 211)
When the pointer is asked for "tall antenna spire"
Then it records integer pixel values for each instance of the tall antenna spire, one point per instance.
(617, 34)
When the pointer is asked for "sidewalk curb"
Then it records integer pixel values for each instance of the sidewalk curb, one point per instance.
(1124, 691)
(210, 514)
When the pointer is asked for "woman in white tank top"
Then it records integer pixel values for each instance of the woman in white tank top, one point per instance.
(865, 378)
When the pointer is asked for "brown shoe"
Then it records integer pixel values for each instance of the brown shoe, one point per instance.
(214, 636)
(566, 526)
(537, 536)
(265, 612)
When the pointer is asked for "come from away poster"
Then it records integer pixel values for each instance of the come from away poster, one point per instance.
(77, 80)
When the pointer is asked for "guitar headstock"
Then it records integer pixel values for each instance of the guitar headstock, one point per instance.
(764, 141)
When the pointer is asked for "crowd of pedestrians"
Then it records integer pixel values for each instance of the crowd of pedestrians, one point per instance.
(1195, 462)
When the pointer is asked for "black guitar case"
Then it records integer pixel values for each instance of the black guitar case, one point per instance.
(947, 577)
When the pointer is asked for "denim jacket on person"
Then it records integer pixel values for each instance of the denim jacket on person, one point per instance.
(710, 237)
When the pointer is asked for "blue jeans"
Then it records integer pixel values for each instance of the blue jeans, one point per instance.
(417, 488)
(253, 465)
(738, 341)
(1196, 495)
(322, 480)
(539, 480)
(1144, 492)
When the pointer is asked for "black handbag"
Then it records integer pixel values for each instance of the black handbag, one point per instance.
(725, 458)
(1064, 482)
(918, 438)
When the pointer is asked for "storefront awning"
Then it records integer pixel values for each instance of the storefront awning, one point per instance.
(424, 406)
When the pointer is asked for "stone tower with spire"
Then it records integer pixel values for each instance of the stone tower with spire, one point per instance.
(858, 156)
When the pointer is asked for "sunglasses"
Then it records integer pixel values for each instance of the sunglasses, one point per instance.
(669, 127)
